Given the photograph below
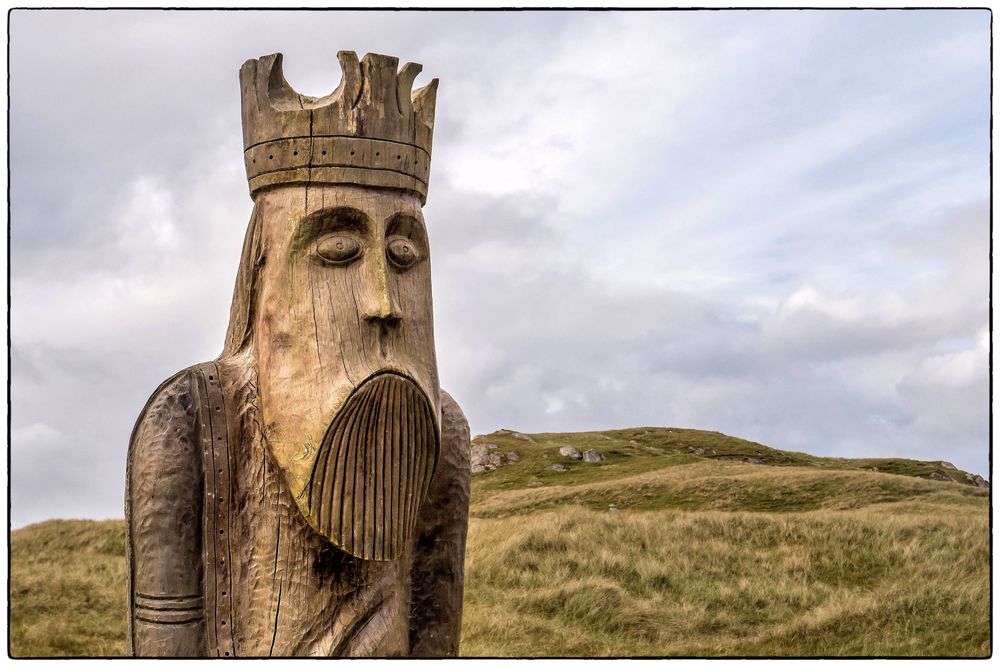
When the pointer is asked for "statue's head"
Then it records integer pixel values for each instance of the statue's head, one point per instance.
(333, 297)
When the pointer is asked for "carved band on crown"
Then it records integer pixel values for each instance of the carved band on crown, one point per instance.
(338, 159)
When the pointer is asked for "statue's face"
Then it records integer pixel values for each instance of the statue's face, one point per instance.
(344, 344)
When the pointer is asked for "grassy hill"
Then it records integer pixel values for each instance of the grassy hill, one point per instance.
(679, 542)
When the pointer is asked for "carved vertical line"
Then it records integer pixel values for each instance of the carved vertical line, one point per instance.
(337, 482)
(209, 586)
(317, 479)
(340, 469)
(222, 611)
(394, 478)
(349, 440)
(316, 498)
(420, 461)
(355, 472)
(230, 468)
(389, 496)
(412, 426)
(385, 507)
(358, 499)
(411, 458)
(378, 528)
(401, 435)
(371, 470)
(418, 443)
(371, 444)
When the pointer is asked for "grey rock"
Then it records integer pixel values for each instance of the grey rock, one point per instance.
(558, 467)
(939, 477)
(478, 454)
(535, 484)
(490, 445)
(590, 456)
(612, 508)
(512, 456)
(482, 459)
(947, 465)
(977, 480)
(571, 452)
(697, 451)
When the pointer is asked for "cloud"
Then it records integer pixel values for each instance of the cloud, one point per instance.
(772, 224)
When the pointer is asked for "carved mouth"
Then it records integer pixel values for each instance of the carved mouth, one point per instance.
(373, 468)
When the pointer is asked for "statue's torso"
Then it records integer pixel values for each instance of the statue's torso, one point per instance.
(254, 578)
(293, 593)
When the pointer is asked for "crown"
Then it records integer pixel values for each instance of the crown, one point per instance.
(371, 131)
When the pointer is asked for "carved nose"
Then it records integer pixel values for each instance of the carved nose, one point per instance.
(379, 307)
(382, 312)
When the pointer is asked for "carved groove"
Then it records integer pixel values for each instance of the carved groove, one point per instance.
(164, 603)
(373, 468)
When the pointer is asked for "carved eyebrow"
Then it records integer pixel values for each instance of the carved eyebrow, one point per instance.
(411, 223)
(324, 221)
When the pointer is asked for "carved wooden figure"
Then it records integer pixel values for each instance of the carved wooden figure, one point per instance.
(306, 493)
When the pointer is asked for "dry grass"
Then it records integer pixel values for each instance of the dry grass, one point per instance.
(804, 556)
(67, 589)
(577, 582)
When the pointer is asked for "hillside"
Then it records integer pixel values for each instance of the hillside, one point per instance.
(678, 542)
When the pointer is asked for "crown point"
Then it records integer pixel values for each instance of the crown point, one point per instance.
(404, 86)
(424, 101)
(350, 82)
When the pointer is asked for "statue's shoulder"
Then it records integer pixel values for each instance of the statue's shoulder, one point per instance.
(171, 413)
(455, 434)
(453, 421)
(174, 398)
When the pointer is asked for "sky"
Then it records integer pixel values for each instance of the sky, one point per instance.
(773, 224)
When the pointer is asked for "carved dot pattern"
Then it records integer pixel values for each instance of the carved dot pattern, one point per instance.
(373, 468)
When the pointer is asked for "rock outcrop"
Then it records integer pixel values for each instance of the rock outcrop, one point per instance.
(977, 480)
(482, 457)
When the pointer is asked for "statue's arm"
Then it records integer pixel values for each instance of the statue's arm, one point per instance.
(163, 500)
(439, 557)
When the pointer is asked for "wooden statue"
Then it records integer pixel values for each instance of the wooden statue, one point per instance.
(306, 493)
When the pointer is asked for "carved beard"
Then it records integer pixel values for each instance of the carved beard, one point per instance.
(373, 468)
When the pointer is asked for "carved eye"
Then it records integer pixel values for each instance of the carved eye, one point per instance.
(402, 252)
(338, 248)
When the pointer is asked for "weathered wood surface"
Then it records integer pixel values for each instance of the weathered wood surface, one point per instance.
(306, 493)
